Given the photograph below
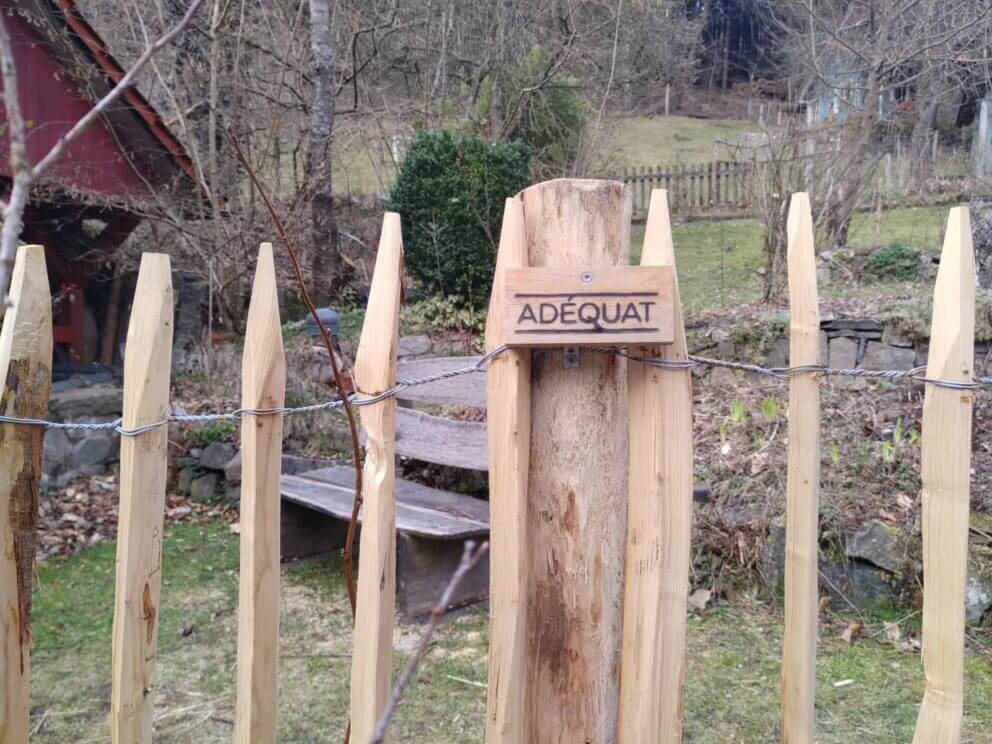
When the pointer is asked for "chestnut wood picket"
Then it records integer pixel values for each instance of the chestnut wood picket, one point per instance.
(590, 495)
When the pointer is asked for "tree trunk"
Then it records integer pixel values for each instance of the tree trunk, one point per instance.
(325, 260)
(921, 160)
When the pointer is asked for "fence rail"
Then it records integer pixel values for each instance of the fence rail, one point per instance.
(693, 188)
(651, 682)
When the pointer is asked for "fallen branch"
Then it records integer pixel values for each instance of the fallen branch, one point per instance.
(470, 558)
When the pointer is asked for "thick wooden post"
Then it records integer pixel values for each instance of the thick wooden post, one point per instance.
(946, 466)
(263, 381)
(577, 486)
(802, 488)
(659, 523)
(26, 375)
(508, 430)
(147, 364)
(375, 371)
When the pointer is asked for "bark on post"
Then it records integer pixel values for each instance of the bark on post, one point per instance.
(577, 487)
(26, 372)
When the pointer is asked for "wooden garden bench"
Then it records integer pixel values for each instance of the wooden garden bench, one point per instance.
(431, 524)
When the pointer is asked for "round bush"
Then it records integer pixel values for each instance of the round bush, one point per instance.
(450, 193)
(894, 262)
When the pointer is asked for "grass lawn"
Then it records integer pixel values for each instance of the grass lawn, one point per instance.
(718, 262)
(670, 140)
(732, 676)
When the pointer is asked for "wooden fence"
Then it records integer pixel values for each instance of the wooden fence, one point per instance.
(722, 185)
(626, 659)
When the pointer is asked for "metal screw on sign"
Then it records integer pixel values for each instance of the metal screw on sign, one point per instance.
(586, 277)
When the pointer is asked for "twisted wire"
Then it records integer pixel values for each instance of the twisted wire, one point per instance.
(359, 399)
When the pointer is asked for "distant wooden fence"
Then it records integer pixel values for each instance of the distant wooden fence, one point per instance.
(721, 185)
(637, 511)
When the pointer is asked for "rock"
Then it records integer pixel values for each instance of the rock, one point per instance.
(86, 403)
(204, 487)
(719, 336)
(413, 346)
(824, 349)
(185, 479)
(977, 598)
(98, 448)
(843, 353)
(882, 356)
(893, 338)
(217, 455)
(852, 326)
(772, 563)
(232, 470)
(778, 353)
(879, 544)
(56, 451)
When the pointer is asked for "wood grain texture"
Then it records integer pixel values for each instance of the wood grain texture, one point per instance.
(375, 370)
(659, 523)
(147, 364)
(263, 385)
(26, 372)
(946, 474)
(457, 444)
(508, 394)
(802, 487)
(578, 306)
(421, 510)
(577, 488)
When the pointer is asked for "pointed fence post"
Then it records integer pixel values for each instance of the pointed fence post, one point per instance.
(147, 365)
(946, 474)
(802, 489)
(508, 431)
(375, 371)
(26, 375)
(263, 379)
(659, 523)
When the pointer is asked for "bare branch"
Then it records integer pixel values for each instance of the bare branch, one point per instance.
(470, 558)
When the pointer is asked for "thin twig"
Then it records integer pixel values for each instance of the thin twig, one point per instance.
(470, 557)
(349, 562)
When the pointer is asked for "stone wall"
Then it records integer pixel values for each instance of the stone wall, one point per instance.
(69, 454)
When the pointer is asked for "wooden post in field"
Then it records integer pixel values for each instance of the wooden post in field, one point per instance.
(946, 465)
(802, 489)
(375, 371)
(26, 375)
(659, 522)
(147, 364)
(577, 485)
(263, 386)
(508, 431)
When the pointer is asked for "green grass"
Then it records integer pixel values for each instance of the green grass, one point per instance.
(731, 679)
(718, 262)
(670, 140)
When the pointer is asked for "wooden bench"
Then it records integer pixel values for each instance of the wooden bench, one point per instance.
(431, 524)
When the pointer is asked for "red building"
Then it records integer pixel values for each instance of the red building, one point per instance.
(121, 167)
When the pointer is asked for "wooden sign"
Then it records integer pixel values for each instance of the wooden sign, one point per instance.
(606, 305)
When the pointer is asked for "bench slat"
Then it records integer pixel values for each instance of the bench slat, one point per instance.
(464, 390)
(420, 510)
(458, 444)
